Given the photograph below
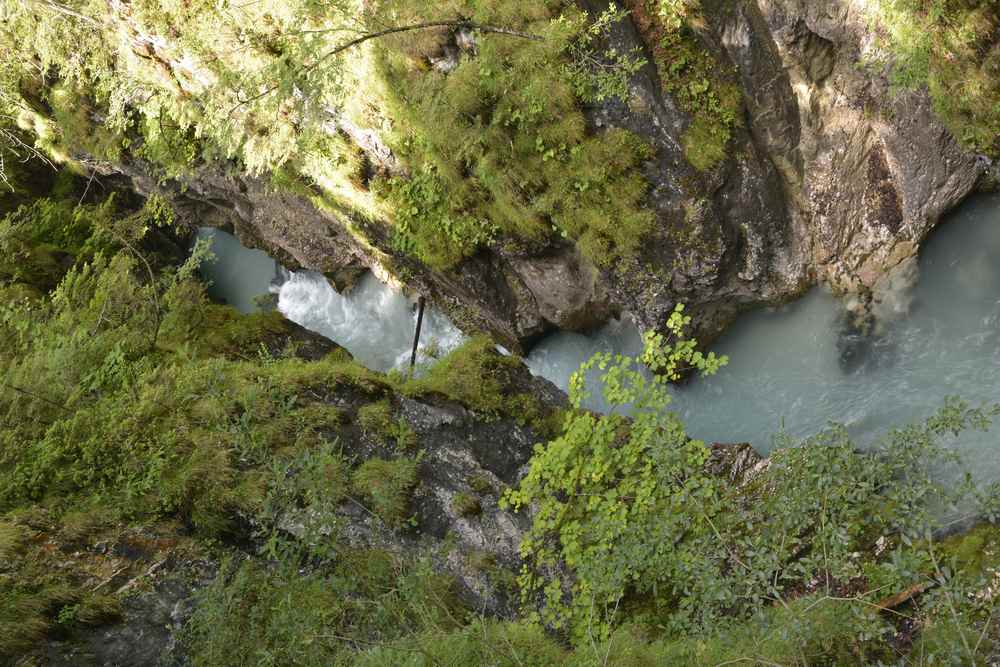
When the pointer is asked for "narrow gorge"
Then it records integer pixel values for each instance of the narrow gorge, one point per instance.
(706, 374)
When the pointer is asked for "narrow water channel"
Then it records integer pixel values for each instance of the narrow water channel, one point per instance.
(373, 321)
(788, 367)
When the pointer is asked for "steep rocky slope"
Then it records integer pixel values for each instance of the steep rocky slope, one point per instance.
(823, 174)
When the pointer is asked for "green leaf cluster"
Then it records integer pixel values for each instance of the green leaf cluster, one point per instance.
(630, 524)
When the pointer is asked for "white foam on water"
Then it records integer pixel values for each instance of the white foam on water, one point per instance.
(373, 321)
(786, 366)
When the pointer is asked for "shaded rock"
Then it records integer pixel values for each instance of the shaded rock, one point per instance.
(875, 170)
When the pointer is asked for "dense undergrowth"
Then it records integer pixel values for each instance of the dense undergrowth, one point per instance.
(489, 127)
(491, 146)
(499, 144)
(129, 402)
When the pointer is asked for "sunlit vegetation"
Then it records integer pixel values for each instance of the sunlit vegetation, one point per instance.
(130, 399)
(951, 48)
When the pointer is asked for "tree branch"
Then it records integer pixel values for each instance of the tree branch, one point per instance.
(152, 281)
(60, 8)
(35, 396)
(460, 23)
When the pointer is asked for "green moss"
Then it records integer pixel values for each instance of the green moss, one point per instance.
(481, 484)
(12, 539)
(466, 505)
(704, 143)
(222, 330)
(40, 594)
(975, 551)
(499, 149)
(317, 617)
(82, 523)
(475, 375)
(951, 48)
(693, 77)
(483, 642)
(376, 418)
(74, 130)
(386, 486)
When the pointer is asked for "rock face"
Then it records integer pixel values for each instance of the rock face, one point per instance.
(828, 177)
(872, 170)
(467, 460)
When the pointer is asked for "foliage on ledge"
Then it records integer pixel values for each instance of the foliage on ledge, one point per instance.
(952, 48)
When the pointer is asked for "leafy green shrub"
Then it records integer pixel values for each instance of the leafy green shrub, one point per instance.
(386, 485)
(611, 488)
(645, 532)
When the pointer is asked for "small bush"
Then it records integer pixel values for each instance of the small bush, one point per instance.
(386, 486)
(475, 375)
(376, 418)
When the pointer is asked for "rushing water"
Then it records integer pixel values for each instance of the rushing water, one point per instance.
(373, 321)
(787, 366)
(238, 276)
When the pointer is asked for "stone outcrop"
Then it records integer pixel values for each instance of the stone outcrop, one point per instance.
(468, 459)
(872, 170)
(829, 177)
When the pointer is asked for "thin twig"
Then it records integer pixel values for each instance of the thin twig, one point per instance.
(93, 172)
(36, 396)
(60, 8)
(391, 31)
(986, 627)
(948, 598)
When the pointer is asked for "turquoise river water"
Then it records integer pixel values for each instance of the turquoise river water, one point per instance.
(795, 366)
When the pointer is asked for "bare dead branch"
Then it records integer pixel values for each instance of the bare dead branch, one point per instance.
(460, 23)
(60, 8)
